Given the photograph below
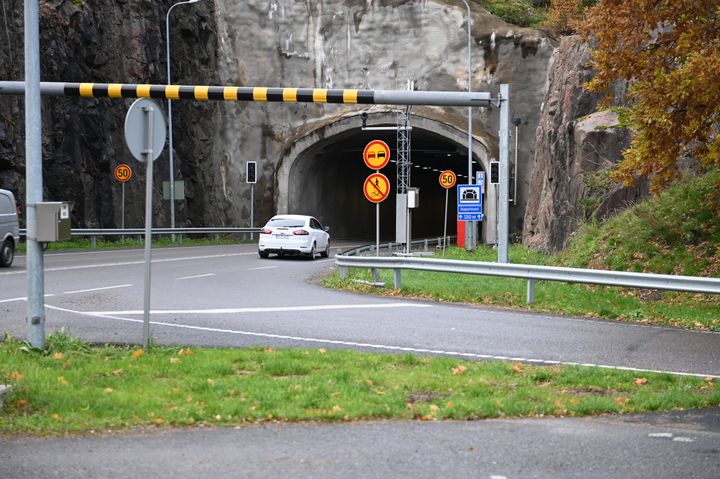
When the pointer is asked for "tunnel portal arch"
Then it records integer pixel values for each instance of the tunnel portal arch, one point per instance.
(322, 174)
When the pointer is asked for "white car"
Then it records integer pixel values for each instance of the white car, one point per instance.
(9, 237)
(294, 235)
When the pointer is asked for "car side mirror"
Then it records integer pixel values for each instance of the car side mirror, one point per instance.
(327, 229)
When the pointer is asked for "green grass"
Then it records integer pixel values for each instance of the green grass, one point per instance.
(74, 387)
(677, 232)
(690, 311)
(518, 12)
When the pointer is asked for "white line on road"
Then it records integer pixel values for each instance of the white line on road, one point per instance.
(275, 309)
(130, 263)
(50, 295)
(96, 289)
(110, 315)
(196, 276)
(262, 267)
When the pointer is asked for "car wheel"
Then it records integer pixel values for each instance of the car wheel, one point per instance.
(263, 254)
(311, 254)
(7, 253)
(326, 253)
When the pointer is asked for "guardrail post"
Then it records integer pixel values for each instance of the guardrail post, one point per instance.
(530, 291)
(426, 245)
(398, 278)
(93, 242)
(343, 272)
(181, 238)
(375, 275)
(217, 238)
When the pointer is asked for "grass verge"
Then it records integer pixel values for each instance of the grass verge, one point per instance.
(73, 387)
(689, 311)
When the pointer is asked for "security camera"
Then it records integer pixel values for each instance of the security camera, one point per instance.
(364, 117)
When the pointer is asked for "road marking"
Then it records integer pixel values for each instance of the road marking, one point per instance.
(683, 439)
(660, 434)
(262, 267)
(274, 309)
(96, 289)
(50, 295)
(130, 263)
(196, 276)
(111, 315)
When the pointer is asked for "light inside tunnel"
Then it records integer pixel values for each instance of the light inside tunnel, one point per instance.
(326, 181)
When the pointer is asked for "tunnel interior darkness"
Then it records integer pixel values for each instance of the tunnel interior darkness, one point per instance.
(326, 181)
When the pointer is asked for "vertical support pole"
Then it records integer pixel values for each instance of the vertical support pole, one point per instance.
(149, 157)
(377, 229)
(530, 291)
(93, 241)
(504, 207)
(426, 245)
(343, 272)
(252, 209)
(398, 278)
(33, 172)
(122, 214)
(445, 222)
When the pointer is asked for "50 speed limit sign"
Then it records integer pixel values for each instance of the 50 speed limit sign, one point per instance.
(123, 173)
(447, 179)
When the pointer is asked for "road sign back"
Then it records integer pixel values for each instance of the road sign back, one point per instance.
(376, 187)
(376, 154)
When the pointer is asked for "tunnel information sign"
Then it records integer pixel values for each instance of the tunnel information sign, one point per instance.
(376, 187)
(376, 154)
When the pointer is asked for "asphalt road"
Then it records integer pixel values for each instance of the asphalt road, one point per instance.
(228, 296)
(674, 445)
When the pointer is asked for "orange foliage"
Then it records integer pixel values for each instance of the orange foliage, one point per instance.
(669, 51)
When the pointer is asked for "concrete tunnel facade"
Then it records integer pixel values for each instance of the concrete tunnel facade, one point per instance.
(323, 172)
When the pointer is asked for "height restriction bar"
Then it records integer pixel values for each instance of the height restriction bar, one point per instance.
(256, 94)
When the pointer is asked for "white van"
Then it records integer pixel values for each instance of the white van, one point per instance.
(9, 234)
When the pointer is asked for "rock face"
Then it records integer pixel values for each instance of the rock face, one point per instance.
(316, 43)
(575, 149)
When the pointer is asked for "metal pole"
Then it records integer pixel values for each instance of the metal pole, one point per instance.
(122, 212)
(150, 110)
(34, 179)
(377, 229)
(252, 208)
(470, 225)
(504, 207)
(170, 129)
(516, 167)
(445, 222)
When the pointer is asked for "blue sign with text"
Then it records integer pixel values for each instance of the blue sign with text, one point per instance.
(469, 203)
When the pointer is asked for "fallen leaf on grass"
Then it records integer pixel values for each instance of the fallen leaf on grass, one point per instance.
(58, 356)
(640, 381)
(174, 360)
(322, 350)
(459, 370)
(117, 372)
(14, 376)
(137, 353)
(159, 421)
(185, 352)
(108, 390)
(517, 367)
(62, 380)
(57, 417)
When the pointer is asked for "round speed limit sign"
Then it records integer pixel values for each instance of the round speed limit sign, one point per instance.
(123, 173)
(447, 179)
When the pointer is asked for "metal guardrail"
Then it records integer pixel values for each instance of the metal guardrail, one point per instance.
(94, 233)
(532, 273)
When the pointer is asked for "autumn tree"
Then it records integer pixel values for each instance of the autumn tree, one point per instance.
(669, 52)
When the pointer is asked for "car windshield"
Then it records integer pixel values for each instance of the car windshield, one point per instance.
(286, 222)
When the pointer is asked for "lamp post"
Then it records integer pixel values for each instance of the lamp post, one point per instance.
(170, 129)
(469, 232)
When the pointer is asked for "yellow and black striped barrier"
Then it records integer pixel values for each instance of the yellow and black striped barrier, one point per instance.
(254, 94)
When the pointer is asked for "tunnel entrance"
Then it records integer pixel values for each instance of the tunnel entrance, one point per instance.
(324, 174)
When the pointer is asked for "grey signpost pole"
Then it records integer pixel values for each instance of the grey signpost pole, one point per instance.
(145, 137)
(445, 222)
(34, 179)
(150, 113)
(470, 226)
(504, 206)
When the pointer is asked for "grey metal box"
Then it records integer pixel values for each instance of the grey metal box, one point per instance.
(53, 221)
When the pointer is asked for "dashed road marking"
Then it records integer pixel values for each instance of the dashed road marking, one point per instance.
(196, 276)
